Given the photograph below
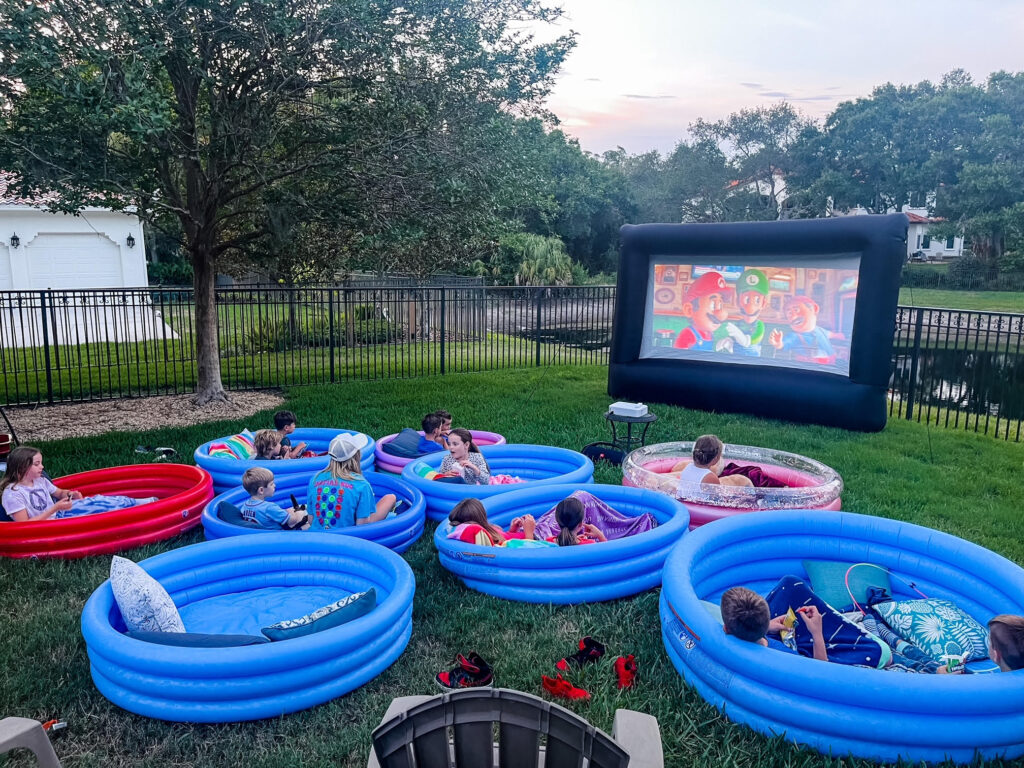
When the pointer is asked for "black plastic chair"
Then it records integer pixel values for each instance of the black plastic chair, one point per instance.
(456, 730)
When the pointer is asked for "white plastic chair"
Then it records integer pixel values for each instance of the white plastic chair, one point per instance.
(22, 733)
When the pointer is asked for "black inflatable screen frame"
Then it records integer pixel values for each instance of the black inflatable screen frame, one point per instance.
(856, 402)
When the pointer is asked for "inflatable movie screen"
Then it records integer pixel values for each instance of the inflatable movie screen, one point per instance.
(786, 319)
(761, 313)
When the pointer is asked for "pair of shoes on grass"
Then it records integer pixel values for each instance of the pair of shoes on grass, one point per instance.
(469, 672)
(590, 650)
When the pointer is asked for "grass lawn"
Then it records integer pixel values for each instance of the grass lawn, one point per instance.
(987, 301)
(898, 473)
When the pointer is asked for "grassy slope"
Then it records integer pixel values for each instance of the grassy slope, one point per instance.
(986, 301)
(894, 474)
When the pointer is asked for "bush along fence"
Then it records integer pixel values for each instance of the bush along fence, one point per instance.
(959, 369)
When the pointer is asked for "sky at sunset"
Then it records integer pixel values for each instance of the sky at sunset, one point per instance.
(643, 70)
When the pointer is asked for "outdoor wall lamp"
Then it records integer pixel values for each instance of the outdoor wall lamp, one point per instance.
(15, 240)
(130, 241)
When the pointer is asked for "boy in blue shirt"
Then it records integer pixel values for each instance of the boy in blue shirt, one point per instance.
(259, 484)
(433, 438)
(745, 615)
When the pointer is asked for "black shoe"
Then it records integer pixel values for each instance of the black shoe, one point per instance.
(471, 672)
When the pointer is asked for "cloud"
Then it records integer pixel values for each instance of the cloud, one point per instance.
(645, 96)
(820, 97)
(754, 86)
(774, 94)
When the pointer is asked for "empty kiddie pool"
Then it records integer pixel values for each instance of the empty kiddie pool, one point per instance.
(397, 533)
(181, 492)
(227, 592)
(395, 451)
(532, 464)
(836, 709)
(227, 470)
(578, 574)
(808, 484)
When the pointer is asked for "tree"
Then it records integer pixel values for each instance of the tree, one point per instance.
(214, 113)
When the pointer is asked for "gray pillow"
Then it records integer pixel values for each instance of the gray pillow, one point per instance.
(144, 603)
(197, 639)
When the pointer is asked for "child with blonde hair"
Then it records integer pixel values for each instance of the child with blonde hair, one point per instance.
(339, 496)
(259, 509)
(267, 444)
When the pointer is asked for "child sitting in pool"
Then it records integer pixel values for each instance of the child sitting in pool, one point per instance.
(747, 616)
(706, 466)
(267, 444)
(285, 423)
(339, 496)
(469, 523)
(25, 494)
(571, 528)
(1006, 642)
(433, 439)
(465, 459)
(258, 508)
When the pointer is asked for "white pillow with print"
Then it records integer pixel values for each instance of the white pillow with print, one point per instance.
(144, 603)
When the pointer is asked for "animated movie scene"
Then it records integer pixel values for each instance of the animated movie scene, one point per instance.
(795, 317)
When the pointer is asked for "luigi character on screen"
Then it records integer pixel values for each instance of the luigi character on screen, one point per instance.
(743, 336)
(704, 306)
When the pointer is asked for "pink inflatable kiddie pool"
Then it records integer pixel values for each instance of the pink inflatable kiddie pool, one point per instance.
(388, 463)
(810, 484)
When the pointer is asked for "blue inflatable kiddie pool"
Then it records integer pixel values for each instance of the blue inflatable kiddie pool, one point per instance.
(565, 575)
(835, 709)
(536, 464)
(397, 533)
(237, 585)
(227, 473)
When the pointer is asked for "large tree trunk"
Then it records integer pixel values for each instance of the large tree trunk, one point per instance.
(208, 384)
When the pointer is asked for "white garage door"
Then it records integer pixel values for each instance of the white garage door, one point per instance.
(74, 261)
(6, 281)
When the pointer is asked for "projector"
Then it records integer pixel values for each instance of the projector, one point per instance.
(628, 409)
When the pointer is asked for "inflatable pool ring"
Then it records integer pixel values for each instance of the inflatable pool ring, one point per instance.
(221, 685)
(227, 473)
(388, 463)
(566, 575)
(840, 710)
(396, 533)
(811, 484)
(182, 492)
(536, 464)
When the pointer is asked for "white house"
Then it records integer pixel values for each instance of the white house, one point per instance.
(919, 243)
(99, 248)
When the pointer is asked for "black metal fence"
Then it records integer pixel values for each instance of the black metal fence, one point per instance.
(960, 369)
(957, 368)
(73, 345)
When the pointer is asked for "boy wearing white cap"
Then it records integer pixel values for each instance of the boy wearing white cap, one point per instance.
(340, 496)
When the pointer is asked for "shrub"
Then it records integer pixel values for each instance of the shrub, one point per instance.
(169, 273)
(278, 335)
(967, 274)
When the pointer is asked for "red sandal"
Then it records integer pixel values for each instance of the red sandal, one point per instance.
(560, 687)
(625, 670)
(590, 651)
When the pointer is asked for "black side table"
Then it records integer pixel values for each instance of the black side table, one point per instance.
(626, 443)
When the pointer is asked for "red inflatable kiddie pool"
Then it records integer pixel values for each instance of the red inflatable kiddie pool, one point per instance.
(182, 493)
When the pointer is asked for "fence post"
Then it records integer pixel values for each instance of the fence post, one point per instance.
(330, 329)
(540, 296)
(442, 324)
(914, 355)
(45, 321)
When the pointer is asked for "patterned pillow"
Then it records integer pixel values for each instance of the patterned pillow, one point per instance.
(145, 605)
(334, 615)
(937, 627)
(235, 447)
